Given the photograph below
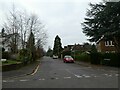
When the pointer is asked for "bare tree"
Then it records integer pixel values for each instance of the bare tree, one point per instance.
(11, 27)
(23, 23)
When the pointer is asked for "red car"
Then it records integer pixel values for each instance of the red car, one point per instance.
(68, 58)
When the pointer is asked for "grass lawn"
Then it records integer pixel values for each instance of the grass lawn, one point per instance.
(8, 62)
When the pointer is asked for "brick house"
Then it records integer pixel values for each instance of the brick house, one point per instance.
(105, 46)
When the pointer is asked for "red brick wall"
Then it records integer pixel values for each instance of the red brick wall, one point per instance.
(102, 48)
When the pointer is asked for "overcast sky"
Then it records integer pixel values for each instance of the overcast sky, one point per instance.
(61, 17)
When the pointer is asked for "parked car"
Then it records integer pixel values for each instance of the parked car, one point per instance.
(55, 56)
(68, 58)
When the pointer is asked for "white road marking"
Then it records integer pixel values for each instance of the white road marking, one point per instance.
(42, 79)
(86, 76)
(106, 74)
(56, 78)
(95, 76)
(66, 77)
(73, 73)
(4, 81)
(117, 75)
(78, 76)
(110, 75)
(23, 80)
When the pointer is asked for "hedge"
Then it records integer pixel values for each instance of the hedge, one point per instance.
(66, 53)
(83, 57)
(111, 59)
(95, 58)
(108, 59)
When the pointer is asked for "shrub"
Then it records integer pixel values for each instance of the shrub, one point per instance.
(23, 57)
(5, 55)
(83, 57)
(66, 53)
(114, 59)
(95, 58)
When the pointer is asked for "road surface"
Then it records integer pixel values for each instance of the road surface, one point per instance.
(53, 73)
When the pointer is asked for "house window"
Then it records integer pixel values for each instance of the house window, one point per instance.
(109, 43)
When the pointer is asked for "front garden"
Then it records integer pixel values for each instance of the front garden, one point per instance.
(12, 61)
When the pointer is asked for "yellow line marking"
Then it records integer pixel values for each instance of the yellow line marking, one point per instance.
(35, 70)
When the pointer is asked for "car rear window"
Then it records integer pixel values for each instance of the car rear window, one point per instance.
(68, 57)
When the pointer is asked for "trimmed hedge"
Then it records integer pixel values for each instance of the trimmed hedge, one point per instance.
(83, 57)
(95, 58)
(111, 59)
(108, 59)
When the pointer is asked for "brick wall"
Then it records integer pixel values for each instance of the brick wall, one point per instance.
(102, 48)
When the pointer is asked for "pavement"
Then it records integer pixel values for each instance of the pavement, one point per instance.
(31, 69)
(23, 71)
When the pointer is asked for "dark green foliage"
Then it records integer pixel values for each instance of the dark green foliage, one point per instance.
(31, 47)
(66, 53)
(94, 55)
(3, 32)
(23, 56)
(95, 58)
(57, 49)
(83, 57)
(5, 55)
(30, 54)
(49, 52)
(114, 59)
(93, 49)
(103, 19)
(109, 59)
(3, 49)
(39, 53)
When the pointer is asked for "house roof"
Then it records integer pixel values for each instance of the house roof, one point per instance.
(100, 39)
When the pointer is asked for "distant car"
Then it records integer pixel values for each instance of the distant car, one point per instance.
(55, 56)
(68, 58)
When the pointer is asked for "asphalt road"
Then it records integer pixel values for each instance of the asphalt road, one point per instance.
(53, 73)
